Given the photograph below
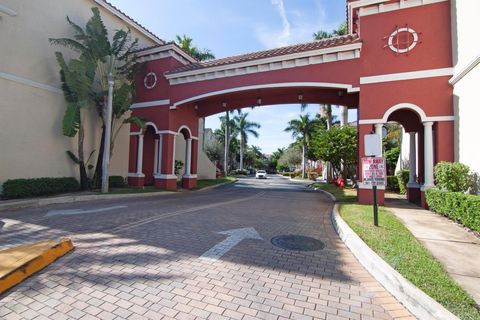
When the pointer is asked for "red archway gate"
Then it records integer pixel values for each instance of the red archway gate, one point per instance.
(394, 65)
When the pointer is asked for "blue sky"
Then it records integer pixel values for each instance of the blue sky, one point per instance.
(228, 27)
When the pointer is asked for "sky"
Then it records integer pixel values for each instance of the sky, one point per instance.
(228, 27)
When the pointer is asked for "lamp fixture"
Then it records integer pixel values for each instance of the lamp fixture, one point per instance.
(259, 101)
(300, 97)
(195, 107)
(224, 104)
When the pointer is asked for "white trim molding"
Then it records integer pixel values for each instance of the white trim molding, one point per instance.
(7, 10)
(135, 175)
(28, 82)
(129, 21)
(357, 4)
(422, 74)
(408, 106)
(387, 7)
(464, 71)
(164, 51)
(165, 176)
(300, 59)
(326, 85)
(147, 104)
(190, 176)
(362, 185)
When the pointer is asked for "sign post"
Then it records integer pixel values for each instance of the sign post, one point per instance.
(373, 168)
(374, 174)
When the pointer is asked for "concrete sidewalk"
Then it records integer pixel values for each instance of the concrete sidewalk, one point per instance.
(457, 249)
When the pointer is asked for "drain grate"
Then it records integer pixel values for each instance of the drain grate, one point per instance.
(297, 243)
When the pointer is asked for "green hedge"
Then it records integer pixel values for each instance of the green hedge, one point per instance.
(23, 188)
(458, 206)
(403, 177)
(392, 184)
(117, 182)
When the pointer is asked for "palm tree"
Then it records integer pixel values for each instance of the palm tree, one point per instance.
(244, 128)
(84, 82)
(302, 130)
(185, 43)
(225, 135)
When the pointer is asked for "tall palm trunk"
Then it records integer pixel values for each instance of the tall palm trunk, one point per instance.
(81, 159)
(304, 157)
(241, 153)
(225, 163)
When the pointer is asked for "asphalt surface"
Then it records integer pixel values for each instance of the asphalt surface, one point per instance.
(194, 255)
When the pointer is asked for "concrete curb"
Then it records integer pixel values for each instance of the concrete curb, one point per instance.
(414, 299)
(27, 264)
(217, 185)
(33, 203)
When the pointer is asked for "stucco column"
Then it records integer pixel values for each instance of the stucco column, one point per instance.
(160, 154)
(173, 153)
(379, 131)
(188, 157)
(140, 154)
(155, 158)
(412, 158)
(428, 154)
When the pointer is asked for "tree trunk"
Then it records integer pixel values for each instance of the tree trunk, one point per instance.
(97, 177)
(81, 158)
(343, 116)
(304, 156)
(241, 152)
(225, 168)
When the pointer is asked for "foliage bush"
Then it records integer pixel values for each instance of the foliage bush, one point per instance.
(453, 176)
(239, 172)
(117, 182)
(392, 184)
(313, 176)
(22, 188)
(403, 176)
(458, 206)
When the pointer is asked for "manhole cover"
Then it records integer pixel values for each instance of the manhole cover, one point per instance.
(297, 243)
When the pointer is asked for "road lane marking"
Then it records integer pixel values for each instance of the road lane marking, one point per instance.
(71, 212)
(174, 213)
(235, 236)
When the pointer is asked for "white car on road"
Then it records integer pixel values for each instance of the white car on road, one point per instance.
(261, 174)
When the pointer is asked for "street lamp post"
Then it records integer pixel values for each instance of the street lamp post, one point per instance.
(108, 129)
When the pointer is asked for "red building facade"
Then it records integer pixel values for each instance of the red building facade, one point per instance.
(393, 66)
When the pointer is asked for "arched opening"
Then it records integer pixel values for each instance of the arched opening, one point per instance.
(150, 145)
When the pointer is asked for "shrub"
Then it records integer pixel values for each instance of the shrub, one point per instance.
(458, 206)
(452, 176)
(403, 176)
(117, 182)
(22, 188)
(313, 176)
(392, 184)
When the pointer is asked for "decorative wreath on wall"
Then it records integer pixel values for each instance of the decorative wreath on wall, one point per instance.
(150, 80)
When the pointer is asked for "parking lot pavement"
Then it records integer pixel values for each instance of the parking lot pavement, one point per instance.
(195, 255)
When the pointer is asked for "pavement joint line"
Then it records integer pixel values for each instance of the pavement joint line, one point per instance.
(174, 213)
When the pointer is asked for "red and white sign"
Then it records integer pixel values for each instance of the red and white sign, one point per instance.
(373, 171)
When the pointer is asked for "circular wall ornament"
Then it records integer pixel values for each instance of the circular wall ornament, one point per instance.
(403, 40)
(150, 80)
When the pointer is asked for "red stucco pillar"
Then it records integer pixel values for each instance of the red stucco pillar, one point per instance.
(136, 177)
(189, 180)
(167, 179)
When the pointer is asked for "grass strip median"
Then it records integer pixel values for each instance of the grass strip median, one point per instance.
(204, 183)
(398, 247)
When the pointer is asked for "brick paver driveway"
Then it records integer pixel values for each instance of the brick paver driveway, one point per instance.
(142, 259)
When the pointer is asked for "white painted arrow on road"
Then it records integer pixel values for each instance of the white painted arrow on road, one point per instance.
(70, 212)
(235, 236)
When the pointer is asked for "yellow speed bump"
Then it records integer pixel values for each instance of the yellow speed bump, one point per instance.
(19, 263)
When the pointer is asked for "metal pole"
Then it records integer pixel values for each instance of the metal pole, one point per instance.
(108, 129)
(375, 206)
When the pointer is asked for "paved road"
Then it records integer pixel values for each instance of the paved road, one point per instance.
(164, 258)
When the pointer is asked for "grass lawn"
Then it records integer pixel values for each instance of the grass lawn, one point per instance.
(212, 182)
(398, 247)
(343, 195)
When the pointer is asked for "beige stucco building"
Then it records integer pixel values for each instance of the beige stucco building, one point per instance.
(32, 104)
(466, 81)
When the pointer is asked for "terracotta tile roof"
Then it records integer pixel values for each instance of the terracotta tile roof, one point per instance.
(302, 47)
(133, 20)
